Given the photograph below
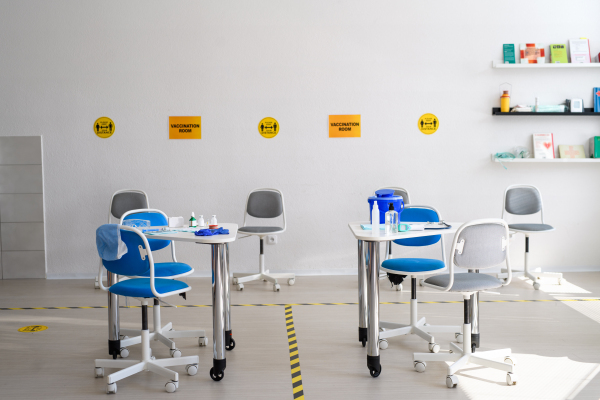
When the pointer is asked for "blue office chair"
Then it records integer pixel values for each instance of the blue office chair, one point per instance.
(169, 270)
(415, 267)
(138, 261)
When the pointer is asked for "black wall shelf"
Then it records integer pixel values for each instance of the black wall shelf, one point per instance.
(586, 112)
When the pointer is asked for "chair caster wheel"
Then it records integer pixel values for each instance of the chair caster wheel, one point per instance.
(536, 286)
(420, 282)
(562, 281)
(191, 369)
(124, 337)
(264, 280)
(451, 381)
(276, 287)
(99, 372)
(511, 379)
(363, 341)
(202, 341)
(240, 286)
(175, 353)
(419, 366)
(124, 352)
(375, 372)
(231, 346)
(111, 388)
(234, 281)
(399, 288)
(216, 376)
(459, 337)
(291, 281)
(383, 344)
(171, 386)
(434, 347)
(509, 360)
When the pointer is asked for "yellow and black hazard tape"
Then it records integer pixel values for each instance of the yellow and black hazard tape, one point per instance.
(310, 304)
(297, 388)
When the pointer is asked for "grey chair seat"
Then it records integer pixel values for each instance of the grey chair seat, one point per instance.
(469, 282)
(531, 227)
(260, 229)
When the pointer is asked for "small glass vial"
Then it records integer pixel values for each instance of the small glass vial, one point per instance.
(213, 220)
(201, 222)
(391, 221)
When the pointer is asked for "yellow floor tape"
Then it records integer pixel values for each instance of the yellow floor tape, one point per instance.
(297, 388)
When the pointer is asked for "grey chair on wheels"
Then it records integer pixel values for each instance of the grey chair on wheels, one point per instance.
(398, 191)
(263, 203)
(527, 200)
(477, 245)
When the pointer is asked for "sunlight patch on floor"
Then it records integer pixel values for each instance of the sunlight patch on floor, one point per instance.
(550, 285)
(590, 309)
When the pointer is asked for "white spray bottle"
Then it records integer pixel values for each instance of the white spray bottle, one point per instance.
(375, 219)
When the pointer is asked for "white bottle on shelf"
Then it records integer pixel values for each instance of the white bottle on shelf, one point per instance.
(375, 219)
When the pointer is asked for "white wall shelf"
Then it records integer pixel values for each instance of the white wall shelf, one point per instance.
(545, 160)
(499, 64)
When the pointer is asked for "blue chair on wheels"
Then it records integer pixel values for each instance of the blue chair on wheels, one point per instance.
(414, 267)
(138, 261)
(168, 270)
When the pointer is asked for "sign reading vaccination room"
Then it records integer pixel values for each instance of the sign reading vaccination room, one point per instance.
(344, 126)
(184, 128)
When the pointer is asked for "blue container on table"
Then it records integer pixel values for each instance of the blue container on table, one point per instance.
(385, 197)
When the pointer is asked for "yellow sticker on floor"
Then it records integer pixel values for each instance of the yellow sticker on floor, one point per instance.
(33, 328)
(185, 128)
(428, 124)
(104, 127)
(344, 126)
(268, 127)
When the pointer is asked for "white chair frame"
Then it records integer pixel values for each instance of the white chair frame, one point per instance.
(537, 273)
(147, 363)
(240, 278)
(463, 356)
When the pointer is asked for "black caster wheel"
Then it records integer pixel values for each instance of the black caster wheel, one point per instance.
(231, 345)
(364, 342)
(375, 372)
(216, 377)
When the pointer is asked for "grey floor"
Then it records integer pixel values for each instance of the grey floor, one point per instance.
(556, 343)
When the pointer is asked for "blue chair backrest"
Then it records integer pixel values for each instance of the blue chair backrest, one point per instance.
(419, 215)
(131, 264)
(156, 219)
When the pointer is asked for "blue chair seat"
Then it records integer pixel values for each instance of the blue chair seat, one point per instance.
(408, 266)
(140, 287)
(169, 270)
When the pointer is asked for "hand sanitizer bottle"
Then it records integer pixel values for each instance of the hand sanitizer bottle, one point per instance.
(201, 222)
(375, 219)
(193, 222)
(391, 221)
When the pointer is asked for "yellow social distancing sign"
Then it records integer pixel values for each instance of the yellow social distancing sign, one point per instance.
(33, 328)
(268, 127)
(344, 126)
(185, 128)
(104, 127)
(428, 124)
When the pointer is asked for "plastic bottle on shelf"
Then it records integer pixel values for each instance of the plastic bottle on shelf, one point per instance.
(375, 219)
(505, 102)
(391, 221)
(193, 222)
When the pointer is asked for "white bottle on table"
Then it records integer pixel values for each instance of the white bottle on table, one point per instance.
(201, 222)
(375, 219)
(391, 221)
(213, 220)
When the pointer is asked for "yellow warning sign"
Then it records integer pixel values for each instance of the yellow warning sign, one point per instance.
(185, 128)
(268, 127)
(344, 126)
(33, 328)
(428, 124)
(104, 127)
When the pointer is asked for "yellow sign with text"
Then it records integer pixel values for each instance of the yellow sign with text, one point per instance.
(428, 124)
(33, 328)
(185, 128)
(104, 127)
(344, 126)
(268, 127)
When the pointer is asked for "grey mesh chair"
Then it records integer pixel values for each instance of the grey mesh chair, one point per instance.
(478, 244)
(527, 200)
(122, 201)
(263, 203)
(398, 191)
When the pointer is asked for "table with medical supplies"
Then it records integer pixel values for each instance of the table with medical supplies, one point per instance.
(368, 280)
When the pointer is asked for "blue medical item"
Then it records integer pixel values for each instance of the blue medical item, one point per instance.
(156, 219)
(136, 222)
(385, 197)
(108, 242)
(212, 232)
(597, 99)
(401, 227)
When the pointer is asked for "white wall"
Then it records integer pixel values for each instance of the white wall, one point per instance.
(65, 63)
